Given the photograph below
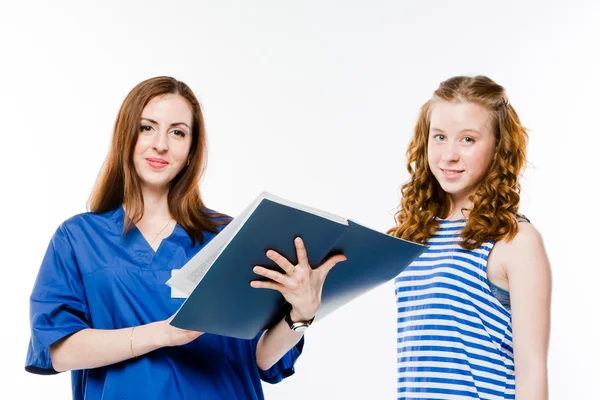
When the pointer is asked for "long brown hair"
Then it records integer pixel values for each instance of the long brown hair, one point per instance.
(494, 213)
(118, 182)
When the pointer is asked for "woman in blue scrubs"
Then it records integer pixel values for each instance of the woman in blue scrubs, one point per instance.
(100, 307)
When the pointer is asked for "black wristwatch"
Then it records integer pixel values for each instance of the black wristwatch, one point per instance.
(299, 326)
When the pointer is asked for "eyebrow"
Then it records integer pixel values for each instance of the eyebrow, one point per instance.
(462, 131)
(173, 124)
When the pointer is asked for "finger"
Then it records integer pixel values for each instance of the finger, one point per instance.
(330, 263)
(280, 260)
(193, 334)
(268, 285)
(301, 252)
(273, 275)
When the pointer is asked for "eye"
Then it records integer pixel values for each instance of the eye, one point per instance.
(145, 128)
(439, 137)
(468, 140)
(178, 132)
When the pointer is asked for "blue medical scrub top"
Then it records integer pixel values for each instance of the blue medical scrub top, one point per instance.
(93, 276)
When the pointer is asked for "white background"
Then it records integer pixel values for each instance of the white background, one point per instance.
(314, 101)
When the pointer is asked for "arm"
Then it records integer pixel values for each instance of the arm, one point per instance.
(93, 348)
(275, 342)
(61, 336)
(528, 270)
(301, 286)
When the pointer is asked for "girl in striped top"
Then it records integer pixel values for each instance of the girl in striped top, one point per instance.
(474, 309)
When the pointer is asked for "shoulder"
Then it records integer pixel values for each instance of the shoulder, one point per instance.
(525, 253)
(89, 216)
(82, 222)
(220, 219)
(527, 238)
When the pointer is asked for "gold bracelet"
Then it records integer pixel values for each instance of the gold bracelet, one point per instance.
(131, 343)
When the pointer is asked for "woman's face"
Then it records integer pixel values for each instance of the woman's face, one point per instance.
(164, 141)
(460, 147)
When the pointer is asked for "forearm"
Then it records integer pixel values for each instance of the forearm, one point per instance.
(531, 382)
(274, 343)
(93, 348)
(301, 286)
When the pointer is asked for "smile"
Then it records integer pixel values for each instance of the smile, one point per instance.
(452, 173)
(156, 163)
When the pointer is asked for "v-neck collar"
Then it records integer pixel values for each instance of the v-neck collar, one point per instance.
(136, 244)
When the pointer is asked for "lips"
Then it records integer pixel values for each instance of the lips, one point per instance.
(452, 173)
(157, 163)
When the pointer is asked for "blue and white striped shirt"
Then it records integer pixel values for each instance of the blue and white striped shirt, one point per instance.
(454, 336)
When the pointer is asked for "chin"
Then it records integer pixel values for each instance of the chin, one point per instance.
(155, 184)
(453, 190)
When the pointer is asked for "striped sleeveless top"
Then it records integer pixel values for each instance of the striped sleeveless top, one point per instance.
(454, 335)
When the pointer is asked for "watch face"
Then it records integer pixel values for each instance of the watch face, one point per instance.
(300, 326)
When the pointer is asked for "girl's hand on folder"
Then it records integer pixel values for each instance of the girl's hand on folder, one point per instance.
(301, 285)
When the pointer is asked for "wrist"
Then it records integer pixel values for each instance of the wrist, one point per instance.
(297, 316)
(297, 322)
(156, 335)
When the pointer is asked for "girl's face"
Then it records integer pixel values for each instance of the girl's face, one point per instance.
(164, 141)
(460, 147)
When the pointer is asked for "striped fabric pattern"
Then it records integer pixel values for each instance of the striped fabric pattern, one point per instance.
(454, 336)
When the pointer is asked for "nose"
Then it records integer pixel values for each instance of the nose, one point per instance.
(161, 142)
(450, 153)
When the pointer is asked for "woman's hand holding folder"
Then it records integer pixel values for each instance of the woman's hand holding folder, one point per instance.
(301, 285)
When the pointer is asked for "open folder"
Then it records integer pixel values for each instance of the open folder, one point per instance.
(217, 279)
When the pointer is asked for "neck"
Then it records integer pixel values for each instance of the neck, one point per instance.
(459, 208)
(156, 205)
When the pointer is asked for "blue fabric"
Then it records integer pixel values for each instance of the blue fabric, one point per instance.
(93, 276)
(454, 338)
(501, 294)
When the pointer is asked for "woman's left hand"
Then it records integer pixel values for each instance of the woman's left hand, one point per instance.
(301, 285)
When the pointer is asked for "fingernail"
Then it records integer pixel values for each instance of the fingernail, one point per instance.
(298, 240)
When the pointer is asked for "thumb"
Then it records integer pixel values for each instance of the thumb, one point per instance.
(330, 263)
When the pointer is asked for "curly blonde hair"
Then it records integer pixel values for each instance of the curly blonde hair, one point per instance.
(494, 212)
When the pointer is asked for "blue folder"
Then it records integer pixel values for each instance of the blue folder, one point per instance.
(224, 303)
